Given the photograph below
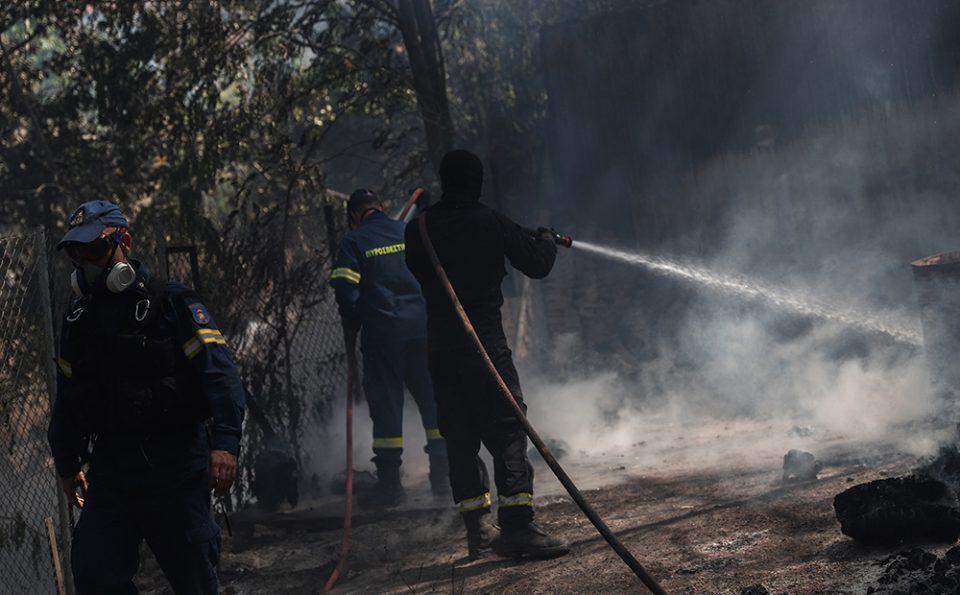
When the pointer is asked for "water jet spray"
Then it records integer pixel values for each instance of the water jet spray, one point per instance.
(751, 289)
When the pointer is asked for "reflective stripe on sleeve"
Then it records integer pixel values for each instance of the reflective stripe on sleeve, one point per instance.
(521, 499)
(482, 501)
(203, 337)
(434, 434)
(344, 273)
(192, 347)
(388, 442)
(211, 335)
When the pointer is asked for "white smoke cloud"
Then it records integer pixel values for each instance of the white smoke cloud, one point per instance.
(829, 218)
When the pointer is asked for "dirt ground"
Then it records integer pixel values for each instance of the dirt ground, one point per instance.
(704, 510)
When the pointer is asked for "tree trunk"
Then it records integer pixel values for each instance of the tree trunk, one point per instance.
(191, 201)
(419, 31)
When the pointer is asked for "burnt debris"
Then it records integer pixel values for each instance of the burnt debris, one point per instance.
(897, 510)
(276, 476)
(919, 571)
(363, 481)
(800, 466)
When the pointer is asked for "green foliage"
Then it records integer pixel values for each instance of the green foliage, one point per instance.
(224, 123)
(213, 123)
(162, 104)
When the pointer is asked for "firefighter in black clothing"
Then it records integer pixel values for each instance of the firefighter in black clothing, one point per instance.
(472, 241)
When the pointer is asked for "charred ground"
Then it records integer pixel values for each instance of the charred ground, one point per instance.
(702, 523)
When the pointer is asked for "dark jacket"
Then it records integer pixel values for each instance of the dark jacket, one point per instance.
(472, 242)
(374, 289)
(177, 350)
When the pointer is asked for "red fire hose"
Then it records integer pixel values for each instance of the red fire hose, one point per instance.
(348, 504)
(351, 378)
(571, 488)
(412, 201)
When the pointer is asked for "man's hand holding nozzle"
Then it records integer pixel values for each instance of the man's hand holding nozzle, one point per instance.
(549, 233)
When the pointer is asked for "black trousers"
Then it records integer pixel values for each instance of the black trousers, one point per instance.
(174, 519)
(471, 411)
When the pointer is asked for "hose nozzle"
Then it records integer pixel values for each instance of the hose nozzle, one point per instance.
(558, 238)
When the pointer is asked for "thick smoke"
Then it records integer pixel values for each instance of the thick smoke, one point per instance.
(825, 185)
(835, 214)
(809, 220)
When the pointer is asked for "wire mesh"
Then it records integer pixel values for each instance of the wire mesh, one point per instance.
(275, 308)
(280, 320)
(29, 493)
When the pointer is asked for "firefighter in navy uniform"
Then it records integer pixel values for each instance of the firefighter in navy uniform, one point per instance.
(472, 242)
(142, 370)
(380, 299)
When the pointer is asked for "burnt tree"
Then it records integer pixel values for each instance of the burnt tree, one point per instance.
(417, 25)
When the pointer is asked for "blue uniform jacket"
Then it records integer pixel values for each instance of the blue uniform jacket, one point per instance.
(374, 289)
(132, 457)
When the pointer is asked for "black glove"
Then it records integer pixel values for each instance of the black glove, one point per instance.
(547, 233)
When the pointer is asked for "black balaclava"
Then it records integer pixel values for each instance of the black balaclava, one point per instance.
(461, 175)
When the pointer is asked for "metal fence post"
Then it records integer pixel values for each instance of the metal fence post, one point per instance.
(43, 281)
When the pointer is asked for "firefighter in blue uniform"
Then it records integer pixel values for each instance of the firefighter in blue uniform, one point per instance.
(379, 298)
(149, 398)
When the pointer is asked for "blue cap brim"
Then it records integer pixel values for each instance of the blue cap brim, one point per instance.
(82, 234)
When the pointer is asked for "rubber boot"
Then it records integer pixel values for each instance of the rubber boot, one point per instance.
(387, 492)
(440, 477)
(528, 541)
(481, 532)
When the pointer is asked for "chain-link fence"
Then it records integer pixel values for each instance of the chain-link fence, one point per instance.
(271, 300)
(29, 492)
(265, 282)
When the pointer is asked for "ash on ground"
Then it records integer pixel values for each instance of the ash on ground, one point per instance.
(800, 466)
(919, 571)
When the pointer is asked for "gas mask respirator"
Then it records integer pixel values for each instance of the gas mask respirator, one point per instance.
(116, 278)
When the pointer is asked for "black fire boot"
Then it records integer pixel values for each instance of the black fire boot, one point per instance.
(440, 477)
(387, 492)
(481, 532)
(528, 541)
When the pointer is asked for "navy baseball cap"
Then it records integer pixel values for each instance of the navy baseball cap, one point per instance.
(89, 220)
